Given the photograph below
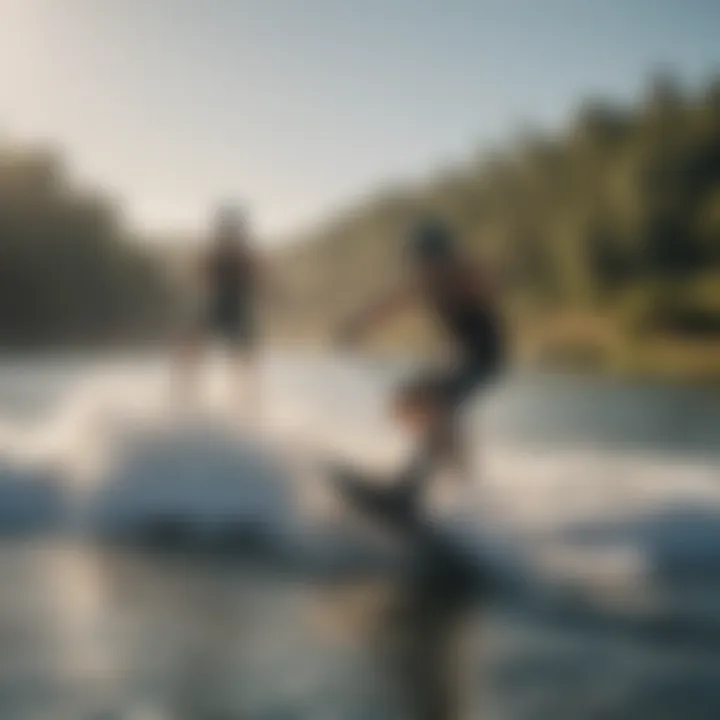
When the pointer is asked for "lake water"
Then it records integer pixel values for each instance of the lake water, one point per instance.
(619, 481)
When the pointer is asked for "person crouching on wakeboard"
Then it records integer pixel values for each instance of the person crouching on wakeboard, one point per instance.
(458, 293)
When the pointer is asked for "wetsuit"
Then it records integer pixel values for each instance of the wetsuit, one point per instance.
(230, 303)
(477, 334)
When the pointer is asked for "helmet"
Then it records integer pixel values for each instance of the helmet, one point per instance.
(431, 241)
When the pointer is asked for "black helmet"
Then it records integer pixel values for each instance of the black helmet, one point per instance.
(431, 240)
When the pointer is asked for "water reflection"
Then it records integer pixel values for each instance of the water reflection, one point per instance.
(96, 634)
(88, 634)
(91, 633)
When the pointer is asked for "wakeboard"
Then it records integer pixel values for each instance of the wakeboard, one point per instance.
(372, 497)
(441, 560)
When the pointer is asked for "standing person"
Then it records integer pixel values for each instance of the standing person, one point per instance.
(230, 281)
(460, 296)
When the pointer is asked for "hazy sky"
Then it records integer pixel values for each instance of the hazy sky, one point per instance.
(299, 105)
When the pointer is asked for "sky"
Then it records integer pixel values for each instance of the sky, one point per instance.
(296, 107)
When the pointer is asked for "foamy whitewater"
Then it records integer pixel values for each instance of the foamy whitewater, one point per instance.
(112, 451)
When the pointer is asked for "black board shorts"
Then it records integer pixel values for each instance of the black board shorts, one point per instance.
(457, 384)
(233, 325)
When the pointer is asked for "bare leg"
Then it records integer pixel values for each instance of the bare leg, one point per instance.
(189, 357)
(451, 448)
(438, 439)
(247, 383)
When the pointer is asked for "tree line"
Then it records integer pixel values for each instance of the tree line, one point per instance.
(607, 234)
(71, 270)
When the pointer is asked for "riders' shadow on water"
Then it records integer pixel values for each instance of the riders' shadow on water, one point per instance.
(422, 631)
(567, 663)
(426, 628)
(435, 608)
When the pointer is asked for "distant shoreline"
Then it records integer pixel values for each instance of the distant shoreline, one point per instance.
(391, 357)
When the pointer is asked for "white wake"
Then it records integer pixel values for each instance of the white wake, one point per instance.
(116, 453)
